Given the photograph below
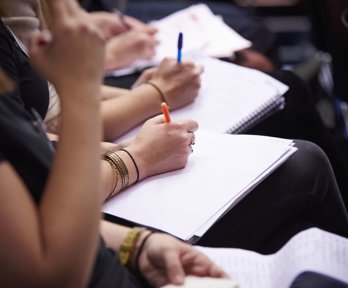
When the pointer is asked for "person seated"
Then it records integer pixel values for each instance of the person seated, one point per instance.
(56, 233)
(180, 85)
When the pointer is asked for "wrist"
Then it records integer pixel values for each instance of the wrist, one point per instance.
(139, 250)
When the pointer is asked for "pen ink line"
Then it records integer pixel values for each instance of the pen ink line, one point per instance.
(180, 43)
(165, 111)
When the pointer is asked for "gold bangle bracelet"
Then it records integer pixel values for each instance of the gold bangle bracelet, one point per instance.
(115, 170)
(120, 166)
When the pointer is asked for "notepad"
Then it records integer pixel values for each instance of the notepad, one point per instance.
(203, 32)
(310, 250)
(204, 282)
(186, 202)
(232, 98)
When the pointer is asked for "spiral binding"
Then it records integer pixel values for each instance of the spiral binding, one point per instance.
(257, 116)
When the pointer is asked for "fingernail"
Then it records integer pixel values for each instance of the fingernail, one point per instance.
(179, 279)
(46, 37)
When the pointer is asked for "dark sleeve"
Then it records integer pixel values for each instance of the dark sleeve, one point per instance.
(2, 158)
(109, 272)
(7, 62)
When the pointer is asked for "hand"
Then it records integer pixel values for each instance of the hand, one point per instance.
(161, 147)
(73, 53)
(145, 76)
(165, 259)
(253, 59)
(109, 23)
(179, 82)
(136, 44)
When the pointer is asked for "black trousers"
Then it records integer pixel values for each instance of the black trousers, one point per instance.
(301, 193)
(301, 120)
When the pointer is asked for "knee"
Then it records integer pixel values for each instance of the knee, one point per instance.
(311, 159)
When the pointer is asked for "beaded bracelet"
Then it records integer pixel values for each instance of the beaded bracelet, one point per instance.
(128, 245)
(158, 90)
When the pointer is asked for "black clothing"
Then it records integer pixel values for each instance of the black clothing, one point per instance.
(31, 157)
(301, 120)
(24, 145)
(33, 89)
(311, 279)
(98, 5)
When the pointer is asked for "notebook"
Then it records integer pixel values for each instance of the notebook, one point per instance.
(232, 98)
(310, 250)
(186, 202)
(205, 282)
(203, 32)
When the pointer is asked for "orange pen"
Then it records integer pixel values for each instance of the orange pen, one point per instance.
(165, 111)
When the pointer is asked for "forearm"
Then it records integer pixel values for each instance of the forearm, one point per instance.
(124, 112)
(74, 186)
(108, 92)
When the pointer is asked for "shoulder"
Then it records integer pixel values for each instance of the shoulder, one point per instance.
(12, 8)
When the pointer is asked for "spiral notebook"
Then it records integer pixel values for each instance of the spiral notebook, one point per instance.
(232, 98)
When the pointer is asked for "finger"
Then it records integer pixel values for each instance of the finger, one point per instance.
(159, 119)
(59, 9)
(190, 125)
(199, 69)
(174, 269)
(38, 43)
(216, 271)
(150, 29)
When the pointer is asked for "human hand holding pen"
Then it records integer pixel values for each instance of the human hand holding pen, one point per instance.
(179, 84)
(162, 147)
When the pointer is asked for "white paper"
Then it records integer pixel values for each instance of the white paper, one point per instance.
(180, 202)
(228, 96)
(205, 282)
(310, 250)
(202, 32)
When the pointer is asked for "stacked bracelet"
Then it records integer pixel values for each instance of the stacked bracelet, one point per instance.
(119, 165)
(158, 90)
(135, 163)
(113, 191)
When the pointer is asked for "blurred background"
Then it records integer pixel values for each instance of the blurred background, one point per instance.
(309, 37)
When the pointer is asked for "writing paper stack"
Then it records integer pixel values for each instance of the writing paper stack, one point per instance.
(310, 250)
(203, 32)
(220, 172)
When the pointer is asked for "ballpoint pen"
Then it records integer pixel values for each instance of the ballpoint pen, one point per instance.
(180, 43)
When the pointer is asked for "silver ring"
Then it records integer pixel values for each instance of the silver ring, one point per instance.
(191, 148)
(193, 141)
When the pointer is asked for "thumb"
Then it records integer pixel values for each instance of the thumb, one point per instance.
(174, 269)
(151, 30)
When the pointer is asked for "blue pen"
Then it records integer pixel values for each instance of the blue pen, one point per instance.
(180, 41)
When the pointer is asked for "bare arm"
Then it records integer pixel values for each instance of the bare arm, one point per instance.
(179, 83)
(54, 245)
